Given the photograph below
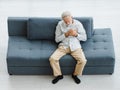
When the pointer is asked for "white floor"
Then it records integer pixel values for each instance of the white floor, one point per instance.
(105, 14)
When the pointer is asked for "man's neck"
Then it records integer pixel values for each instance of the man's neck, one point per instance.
(70, 24)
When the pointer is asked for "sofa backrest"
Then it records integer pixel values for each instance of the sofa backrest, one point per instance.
(17, 26)
(87, 23)
(41, 28)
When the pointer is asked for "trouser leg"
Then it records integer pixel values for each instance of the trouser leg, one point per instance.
(54, 60)
(81, 61)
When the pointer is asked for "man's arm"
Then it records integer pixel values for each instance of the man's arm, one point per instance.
(72, 32)
(59, 36)
(81, 33)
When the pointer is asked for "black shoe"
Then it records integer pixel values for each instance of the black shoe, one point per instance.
(76, 79)
(54, 81)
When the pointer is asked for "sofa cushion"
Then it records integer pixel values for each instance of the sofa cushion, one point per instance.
(23, 52)
(44, 28)
(41, 28)
(17, 26)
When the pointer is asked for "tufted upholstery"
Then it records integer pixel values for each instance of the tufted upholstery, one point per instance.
(26, 56)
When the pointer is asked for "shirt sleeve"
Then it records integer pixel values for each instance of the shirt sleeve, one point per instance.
(81, 33)
(59, 36)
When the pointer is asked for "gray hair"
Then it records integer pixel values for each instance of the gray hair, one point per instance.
(65, 14)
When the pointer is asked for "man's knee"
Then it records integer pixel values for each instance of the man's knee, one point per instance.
(81, 61)
(52, 59)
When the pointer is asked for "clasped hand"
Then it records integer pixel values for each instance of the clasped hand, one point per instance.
(71, 32)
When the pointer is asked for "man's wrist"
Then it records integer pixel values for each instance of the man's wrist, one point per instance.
(66, 34)
(76, 35)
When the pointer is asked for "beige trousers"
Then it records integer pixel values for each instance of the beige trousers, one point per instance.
(61, 51)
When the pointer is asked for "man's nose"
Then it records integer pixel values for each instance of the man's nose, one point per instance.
(67, 23)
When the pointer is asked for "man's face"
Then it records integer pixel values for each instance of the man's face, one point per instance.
(68, 20)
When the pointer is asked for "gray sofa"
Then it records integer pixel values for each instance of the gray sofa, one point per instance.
(31, 42)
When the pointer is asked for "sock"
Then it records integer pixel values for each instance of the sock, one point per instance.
(76, 79)
(54, 81)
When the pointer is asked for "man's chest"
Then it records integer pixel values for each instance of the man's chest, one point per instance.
(65, 29)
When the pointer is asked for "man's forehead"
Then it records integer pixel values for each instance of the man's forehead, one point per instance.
(67, 17)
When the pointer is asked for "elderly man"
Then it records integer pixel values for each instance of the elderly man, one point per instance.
(69, 32)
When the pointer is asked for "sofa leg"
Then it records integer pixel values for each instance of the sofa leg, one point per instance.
(10, 74)
(110, 73)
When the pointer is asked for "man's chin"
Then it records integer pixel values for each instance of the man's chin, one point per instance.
(68, 24)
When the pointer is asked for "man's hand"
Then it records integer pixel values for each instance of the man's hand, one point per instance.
(66, 34)
(72, 32)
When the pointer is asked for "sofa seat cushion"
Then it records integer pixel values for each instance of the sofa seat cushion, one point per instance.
(23, 52)
(100, 47)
